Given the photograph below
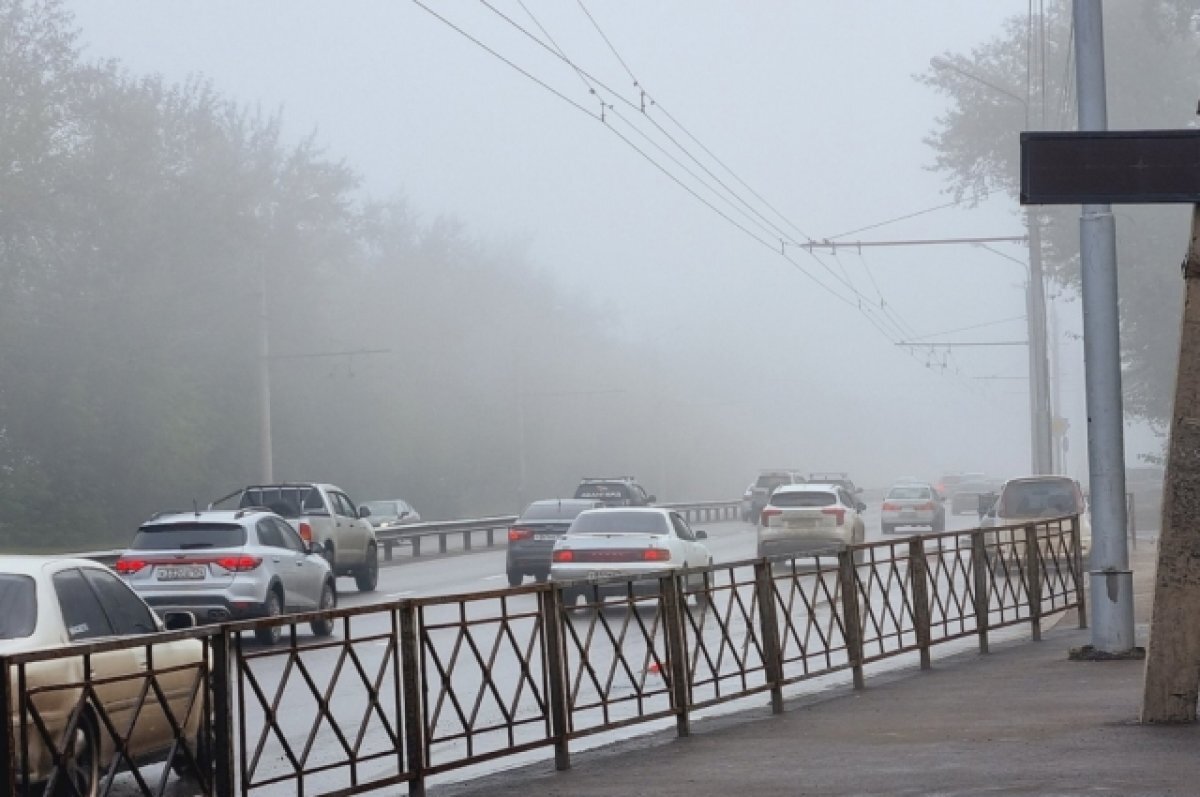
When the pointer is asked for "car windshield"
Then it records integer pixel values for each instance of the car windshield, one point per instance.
(619, 522)
(771, 481)
(383, 508)
(189, 536)
(789, 499)
(18, 596)
(556, 510)
(289, 502)
(909, 491)
(1045, 498)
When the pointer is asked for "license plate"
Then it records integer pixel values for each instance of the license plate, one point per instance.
(545, 536)
(182, 573)
(909, 513)
(801, 524)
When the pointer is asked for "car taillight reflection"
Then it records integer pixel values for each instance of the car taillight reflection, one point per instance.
(239, 564)
(519, 533)
(128, 567)
(838, 513)
(563, 556)
(888, 506)
(656, 555)
(769, 513)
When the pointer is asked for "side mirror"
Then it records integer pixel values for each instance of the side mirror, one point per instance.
(651, 498)
(364, 511)
(178, 621)
(861, 507)
(404, 514)
(858, 490)
(701, 534)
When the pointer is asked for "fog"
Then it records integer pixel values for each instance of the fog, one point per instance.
(478, 291)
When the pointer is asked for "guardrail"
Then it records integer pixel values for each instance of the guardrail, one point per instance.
(409, 689)
(413, 534)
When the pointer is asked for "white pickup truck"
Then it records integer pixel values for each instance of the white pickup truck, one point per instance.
(324, 514)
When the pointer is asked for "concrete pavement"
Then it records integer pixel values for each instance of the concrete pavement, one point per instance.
(1020, 720)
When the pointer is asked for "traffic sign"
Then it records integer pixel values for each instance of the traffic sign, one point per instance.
(1110, 167)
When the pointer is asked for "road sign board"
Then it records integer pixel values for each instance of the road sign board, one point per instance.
(1110, 167)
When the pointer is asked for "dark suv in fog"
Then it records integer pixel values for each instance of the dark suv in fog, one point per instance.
(614, 491)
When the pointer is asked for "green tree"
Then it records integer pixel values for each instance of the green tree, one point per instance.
(1025, 78)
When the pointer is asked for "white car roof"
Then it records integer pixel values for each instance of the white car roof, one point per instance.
(645, 510)
(807, 487)
(239, 516)
(34, 566)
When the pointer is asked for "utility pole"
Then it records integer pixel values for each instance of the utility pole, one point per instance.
(1111, 579)
(266, 463)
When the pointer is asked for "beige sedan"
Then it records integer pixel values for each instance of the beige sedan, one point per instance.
(51, 603)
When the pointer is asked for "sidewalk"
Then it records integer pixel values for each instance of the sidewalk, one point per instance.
(1021, 720)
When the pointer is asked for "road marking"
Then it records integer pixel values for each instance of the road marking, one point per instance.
(400, 594)
(494, 578)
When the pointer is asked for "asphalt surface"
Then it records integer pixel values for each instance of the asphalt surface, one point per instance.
(1020, 720)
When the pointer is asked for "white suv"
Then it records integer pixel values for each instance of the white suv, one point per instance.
(809, 519)
(227, 565)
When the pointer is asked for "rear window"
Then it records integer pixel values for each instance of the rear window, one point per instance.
(289, 502)
(189, 537)
(603, 492)
(909, 492)
(556, 510)
(1040, 498)
(18, 596)
(620, 523)
(803, 499)
(772, 481)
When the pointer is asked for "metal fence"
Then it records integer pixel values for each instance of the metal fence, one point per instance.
(409, 689)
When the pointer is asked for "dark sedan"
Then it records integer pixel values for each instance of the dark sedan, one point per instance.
(531, 537)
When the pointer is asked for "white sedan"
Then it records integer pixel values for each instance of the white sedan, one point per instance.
(627, 542)
(50, 602)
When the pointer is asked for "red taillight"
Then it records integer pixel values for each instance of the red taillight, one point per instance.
(770, 512)
(563, 556)
(305, 532)
(656, 555)
(890, 507)
(518, 533)
(239, 564)
(128, 567)
(925, 506)
(837, 512)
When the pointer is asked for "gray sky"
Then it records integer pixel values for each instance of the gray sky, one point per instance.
(812, 104)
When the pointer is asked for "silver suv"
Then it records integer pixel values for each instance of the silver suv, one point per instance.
(228, 565)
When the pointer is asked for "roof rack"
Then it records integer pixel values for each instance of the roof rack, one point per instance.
(607, 479)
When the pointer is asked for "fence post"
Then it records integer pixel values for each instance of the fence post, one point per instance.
(491, 537)
(918, 570)
(677, 657)
(769, 628)
(1033, 580)
(8, 751)
(851, 624)
(387, 550)
(1080, 575)
(416, 546)
(223, 719)
(556, 673)
(983, 585)
(442, 542)
(414, 709)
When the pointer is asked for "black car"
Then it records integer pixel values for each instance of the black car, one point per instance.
(531, 537)
(614, 491)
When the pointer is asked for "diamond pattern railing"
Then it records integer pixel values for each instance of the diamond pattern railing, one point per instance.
(617, 669)
(407, 689)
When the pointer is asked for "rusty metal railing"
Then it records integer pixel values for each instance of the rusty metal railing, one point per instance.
(405, 690)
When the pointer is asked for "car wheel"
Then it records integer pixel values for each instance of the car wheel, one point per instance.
(80, 771)
(515, 577)
(324, 626)
(541, 578)
(201, 749)
(367, 576)
(274, 607)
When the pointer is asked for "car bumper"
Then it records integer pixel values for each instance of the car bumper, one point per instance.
(529, 558)
(209, 608)
(921, 518)
(801, 546)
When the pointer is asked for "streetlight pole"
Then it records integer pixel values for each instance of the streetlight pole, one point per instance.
(266, 464)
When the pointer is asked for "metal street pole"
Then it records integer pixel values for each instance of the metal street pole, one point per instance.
(1111, 579)
(1039, 367)
(266, 465)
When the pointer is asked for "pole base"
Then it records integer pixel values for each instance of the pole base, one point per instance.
(1089, 653)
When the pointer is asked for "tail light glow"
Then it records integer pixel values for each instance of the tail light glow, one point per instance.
(519, 533)
(565, 555)
(769, 513)
(656, 555)
(888, 506)
(305, 532)
(926, 506)
(239, 564)
(837, 512)
(127, 567)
